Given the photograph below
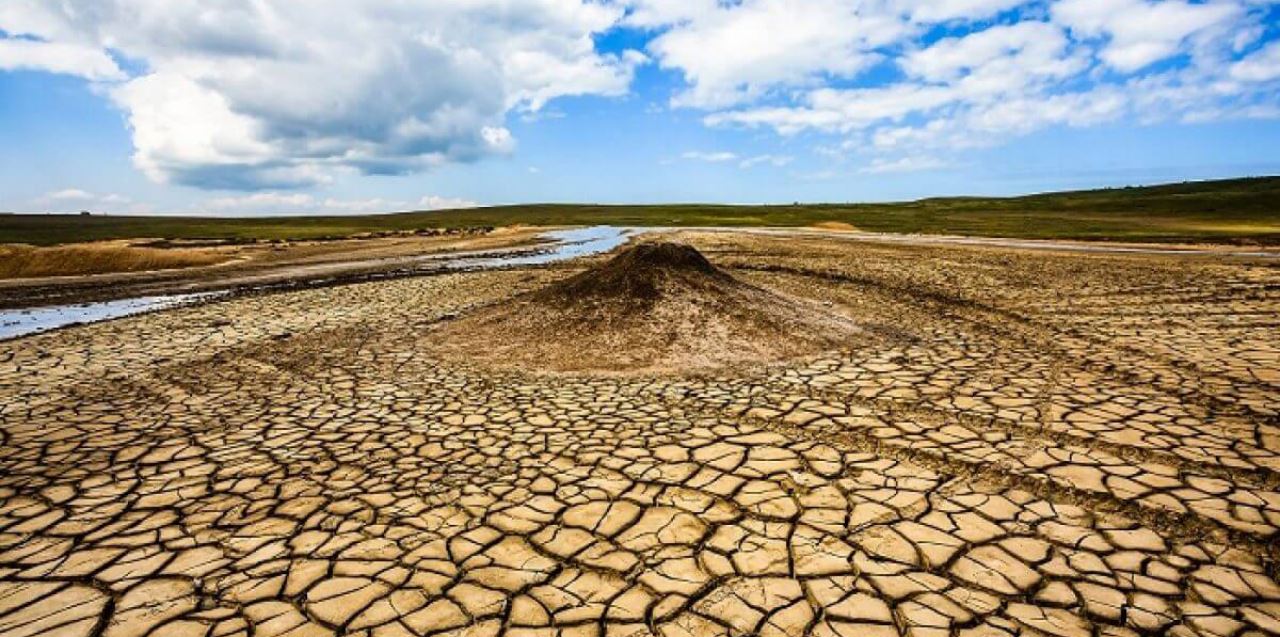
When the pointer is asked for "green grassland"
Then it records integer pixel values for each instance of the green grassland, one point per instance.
(1245, 211)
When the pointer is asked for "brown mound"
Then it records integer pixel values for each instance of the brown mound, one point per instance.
(639, 277)
(839, 226)
(656, 307)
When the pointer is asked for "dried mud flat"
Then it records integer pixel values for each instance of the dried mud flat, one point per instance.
(1015, 443)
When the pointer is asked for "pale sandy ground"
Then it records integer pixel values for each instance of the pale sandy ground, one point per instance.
(260, 264)
(1017, 443)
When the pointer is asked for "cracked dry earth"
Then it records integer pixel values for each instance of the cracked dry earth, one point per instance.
(1021, 444)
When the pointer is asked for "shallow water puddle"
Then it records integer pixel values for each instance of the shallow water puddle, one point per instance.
(569, 244)
(14, 323)
(566, 244)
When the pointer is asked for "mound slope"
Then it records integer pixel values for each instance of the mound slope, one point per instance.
(655, 307)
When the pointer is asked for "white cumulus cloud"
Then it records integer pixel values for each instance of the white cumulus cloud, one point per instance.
(57, 57)
(276, 202)
(932, 11)
(911, 164)
(72, 199)
(434, 202)
(736, 52)
(777, 161)
(709, 156)
(1142, 32)
(69, 194)
(1069, 63)
(276, 95)
(286, 93)
(1261, 66)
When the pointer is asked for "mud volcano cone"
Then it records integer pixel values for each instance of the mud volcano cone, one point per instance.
(639, 277)
(655, 307)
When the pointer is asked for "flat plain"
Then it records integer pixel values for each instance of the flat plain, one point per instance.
(1221, 211)
(1013, 442)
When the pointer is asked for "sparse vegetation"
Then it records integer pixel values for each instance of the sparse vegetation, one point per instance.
(17, 261)
(1236, 211)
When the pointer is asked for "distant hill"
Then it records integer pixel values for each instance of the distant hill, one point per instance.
(1224, 211)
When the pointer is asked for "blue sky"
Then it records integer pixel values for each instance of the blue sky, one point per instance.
(282, 106)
